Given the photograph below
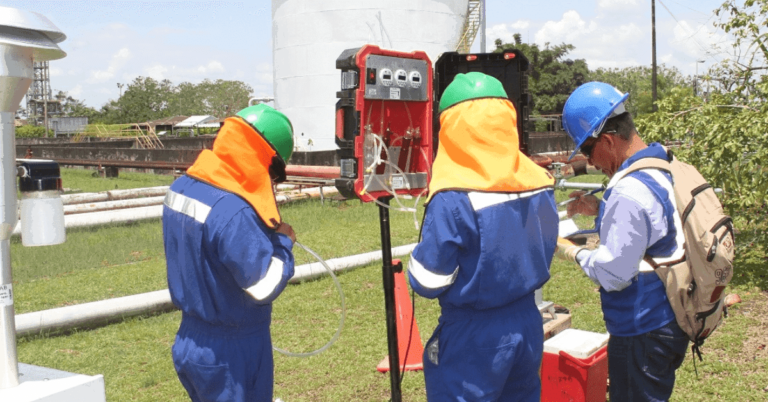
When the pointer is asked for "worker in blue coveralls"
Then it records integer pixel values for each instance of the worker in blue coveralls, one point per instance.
(637, 217)
(229, 255)
(487, 241)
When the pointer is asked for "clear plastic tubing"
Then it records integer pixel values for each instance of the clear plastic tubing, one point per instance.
(341, 320)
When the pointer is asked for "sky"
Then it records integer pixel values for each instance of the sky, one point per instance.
(113, 42)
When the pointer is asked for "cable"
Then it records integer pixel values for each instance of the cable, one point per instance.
(341, 320)
(410, 336)
(692, 38)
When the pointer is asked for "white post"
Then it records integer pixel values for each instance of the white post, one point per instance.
(9, 371)
(32, 38)
(18, 72)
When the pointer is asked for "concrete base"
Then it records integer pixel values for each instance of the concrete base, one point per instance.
(40, 384)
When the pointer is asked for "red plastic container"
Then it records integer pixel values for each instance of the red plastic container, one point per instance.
(565, 377)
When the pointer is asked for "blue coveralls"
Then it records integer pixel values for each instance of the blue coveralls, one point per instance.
(216, 247)
(483, 255)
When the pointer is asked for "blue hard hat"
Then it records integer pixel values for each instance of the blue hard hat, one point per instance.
(587, 110)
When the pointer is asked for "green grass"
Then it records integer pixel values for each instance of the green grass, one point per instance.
(88, 248)
(134, 355)
(84, 181)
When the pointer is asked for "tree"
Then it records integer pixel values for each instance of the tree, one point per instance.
(553, 76)
(637, 82)
(223, 98)
(71, 107)
(727, 135)
(145, 99)
(744, 72)
(148, 99)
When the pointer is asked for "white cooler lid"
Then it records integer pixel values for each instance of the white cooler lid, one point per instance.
(576, 343)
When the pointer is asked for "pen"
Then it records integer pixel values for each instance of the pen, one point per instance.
(570, 200)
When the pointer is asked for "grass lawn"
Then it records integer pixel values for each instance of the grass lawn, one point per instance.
(84, 181)
(134, 355)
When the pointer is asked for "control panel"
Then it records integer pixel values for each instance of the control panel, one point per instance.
(384, 123)
(395, 78)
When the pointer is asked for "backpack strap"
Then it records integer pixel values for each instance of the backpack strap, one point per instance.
(641, 164)
(648, 264)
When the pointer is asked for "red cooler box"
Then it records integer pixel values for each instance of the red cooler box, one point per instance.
(575, 367)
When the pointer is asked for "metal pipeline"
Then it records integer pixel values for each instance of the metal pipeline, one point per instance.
(582, 186)
(105, 311)
(107, 213)
(114, 195)
(112, 205)
(325, 172)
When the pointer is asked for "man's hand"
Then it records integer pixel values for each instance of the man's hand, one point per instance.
(566, 249)
(586, 205)
(287, 230)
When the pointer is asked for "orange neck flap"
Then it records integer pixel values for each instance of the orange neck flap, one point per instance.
(239, 163)
(479, 150)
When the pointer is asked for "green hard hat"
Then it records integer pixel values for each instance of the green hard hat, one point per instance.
(471, 86)
(273, 125)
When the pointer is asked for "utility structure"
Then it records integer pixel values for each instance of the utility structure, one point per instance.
(474, 22)
(40, 101)
(384, 134)
(26, 37)
(653, 55)
(309, 34)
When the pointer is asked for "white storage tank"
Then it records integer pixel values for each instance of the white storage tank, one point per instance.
(308, 36)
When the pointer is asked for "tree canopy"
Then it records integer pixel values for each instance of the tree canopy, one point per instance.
(553, 76)
(726, 133)
(146, 99)
(637, 82)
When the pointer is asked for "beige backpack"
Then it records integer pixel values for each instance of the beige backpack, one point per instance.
(696, 280)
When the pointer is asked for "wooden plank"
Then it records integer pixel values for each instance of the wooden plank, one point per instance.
(554, 327)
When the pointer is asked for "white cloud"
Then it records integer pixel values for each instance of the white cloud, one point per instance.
(698, 41)
(617, 4)
(520, 25)
(55, 72)
(504, 32)
(157, 72)
(570, 27)
(76, 91)
(118, 60)
(212, 67)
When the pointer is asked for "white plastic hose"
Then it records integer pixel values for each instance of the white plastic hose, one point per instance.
(341, 320)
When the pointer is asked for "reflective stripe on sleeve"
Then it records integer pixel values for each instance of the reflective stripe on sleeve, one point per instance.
(267, 285)
(485, 200)
(187, 206)
(429, 279)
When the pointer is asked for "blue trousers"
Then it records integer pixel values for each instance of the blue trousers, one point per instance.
(486, 355)
(642, 367)
(219, 364)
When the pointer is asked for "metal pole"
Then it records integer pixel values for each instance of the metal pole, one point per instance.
(482, 27)
(696, 80)
(45, 115)
(16, 74)
(9, 372)
(9, 367)
(388, 279)
(653, 46)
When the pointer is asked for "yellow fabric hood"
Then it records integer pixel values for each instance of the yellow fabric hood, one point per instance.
(239, 163)
(479, 151)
